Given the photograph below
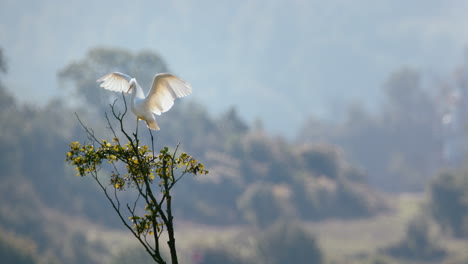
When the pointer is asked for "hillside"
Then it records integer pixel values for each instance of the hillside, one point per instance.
(319, 195)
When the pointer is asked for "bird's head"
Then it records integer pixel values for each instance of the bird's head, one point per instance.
(132, 85)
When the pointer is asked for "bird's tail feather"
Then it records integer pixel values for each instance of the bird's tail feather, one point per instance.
(152, 124)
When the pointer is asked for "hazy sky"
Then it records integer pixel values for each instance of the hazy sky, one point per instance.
(277, 60)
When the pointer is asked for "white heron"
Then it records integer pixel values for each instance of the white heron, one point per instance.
(160, 98)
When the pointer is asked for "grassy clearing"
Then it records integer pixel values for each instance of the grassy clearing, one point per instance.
(345, 239)
(339, 239)
(342, 241)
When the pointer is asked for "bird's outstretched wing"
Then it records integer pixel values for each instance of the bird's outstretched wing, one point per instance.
(166, 88)
(115, 81)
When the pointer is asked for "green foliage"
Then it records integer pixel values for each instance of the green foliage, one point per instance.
(419, 243)
(322, 160)
(289, 243)
(322, 198)
(143, 170)
(448, 202)
(260, 206)
(139, 161)
(328, 186)
(356, 200)
(141, 166)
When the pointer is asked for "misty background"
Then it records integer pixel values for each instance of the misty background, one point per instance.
(279, 61)
(334, 131)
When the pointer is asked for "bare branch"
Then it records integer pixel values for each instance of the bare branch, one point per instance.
(136, 201)
(89, 131)
(117, 210)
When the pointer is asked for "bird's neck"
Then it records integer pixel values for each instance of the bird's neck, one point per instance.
(137, 92)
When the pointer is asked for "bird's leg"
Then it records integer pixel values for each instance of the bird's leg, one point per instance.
(137, 126)
(152, 139)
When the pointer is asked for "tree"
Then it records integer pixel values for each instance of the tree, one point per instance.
(323, 160)
(418, 244)
(448, 202)
(3, 67)
(289, 243)
(145, 211)
(6, 99)
(400, 143)
(259, 206)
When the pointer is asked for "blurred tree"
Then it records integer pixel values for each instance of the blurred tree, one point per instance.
(322, 198)
(355, 200)
(323, 160)
(411, 115)
(406, 100)
(9, 124)
(3, 65)
(409, 142)
(230, 122)
(259, 205)
(327, 185)
(265, 157)
(289, 243)
(448, 202)
(232, 127)
(418, 244)
(195, 128)
(399, 146)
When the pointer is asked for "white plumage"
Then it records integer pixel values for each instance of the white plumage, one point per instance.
(160, 98)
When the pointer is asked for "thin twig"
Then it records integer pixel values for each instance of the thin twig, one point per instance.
(122, 218)
(89, 131)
